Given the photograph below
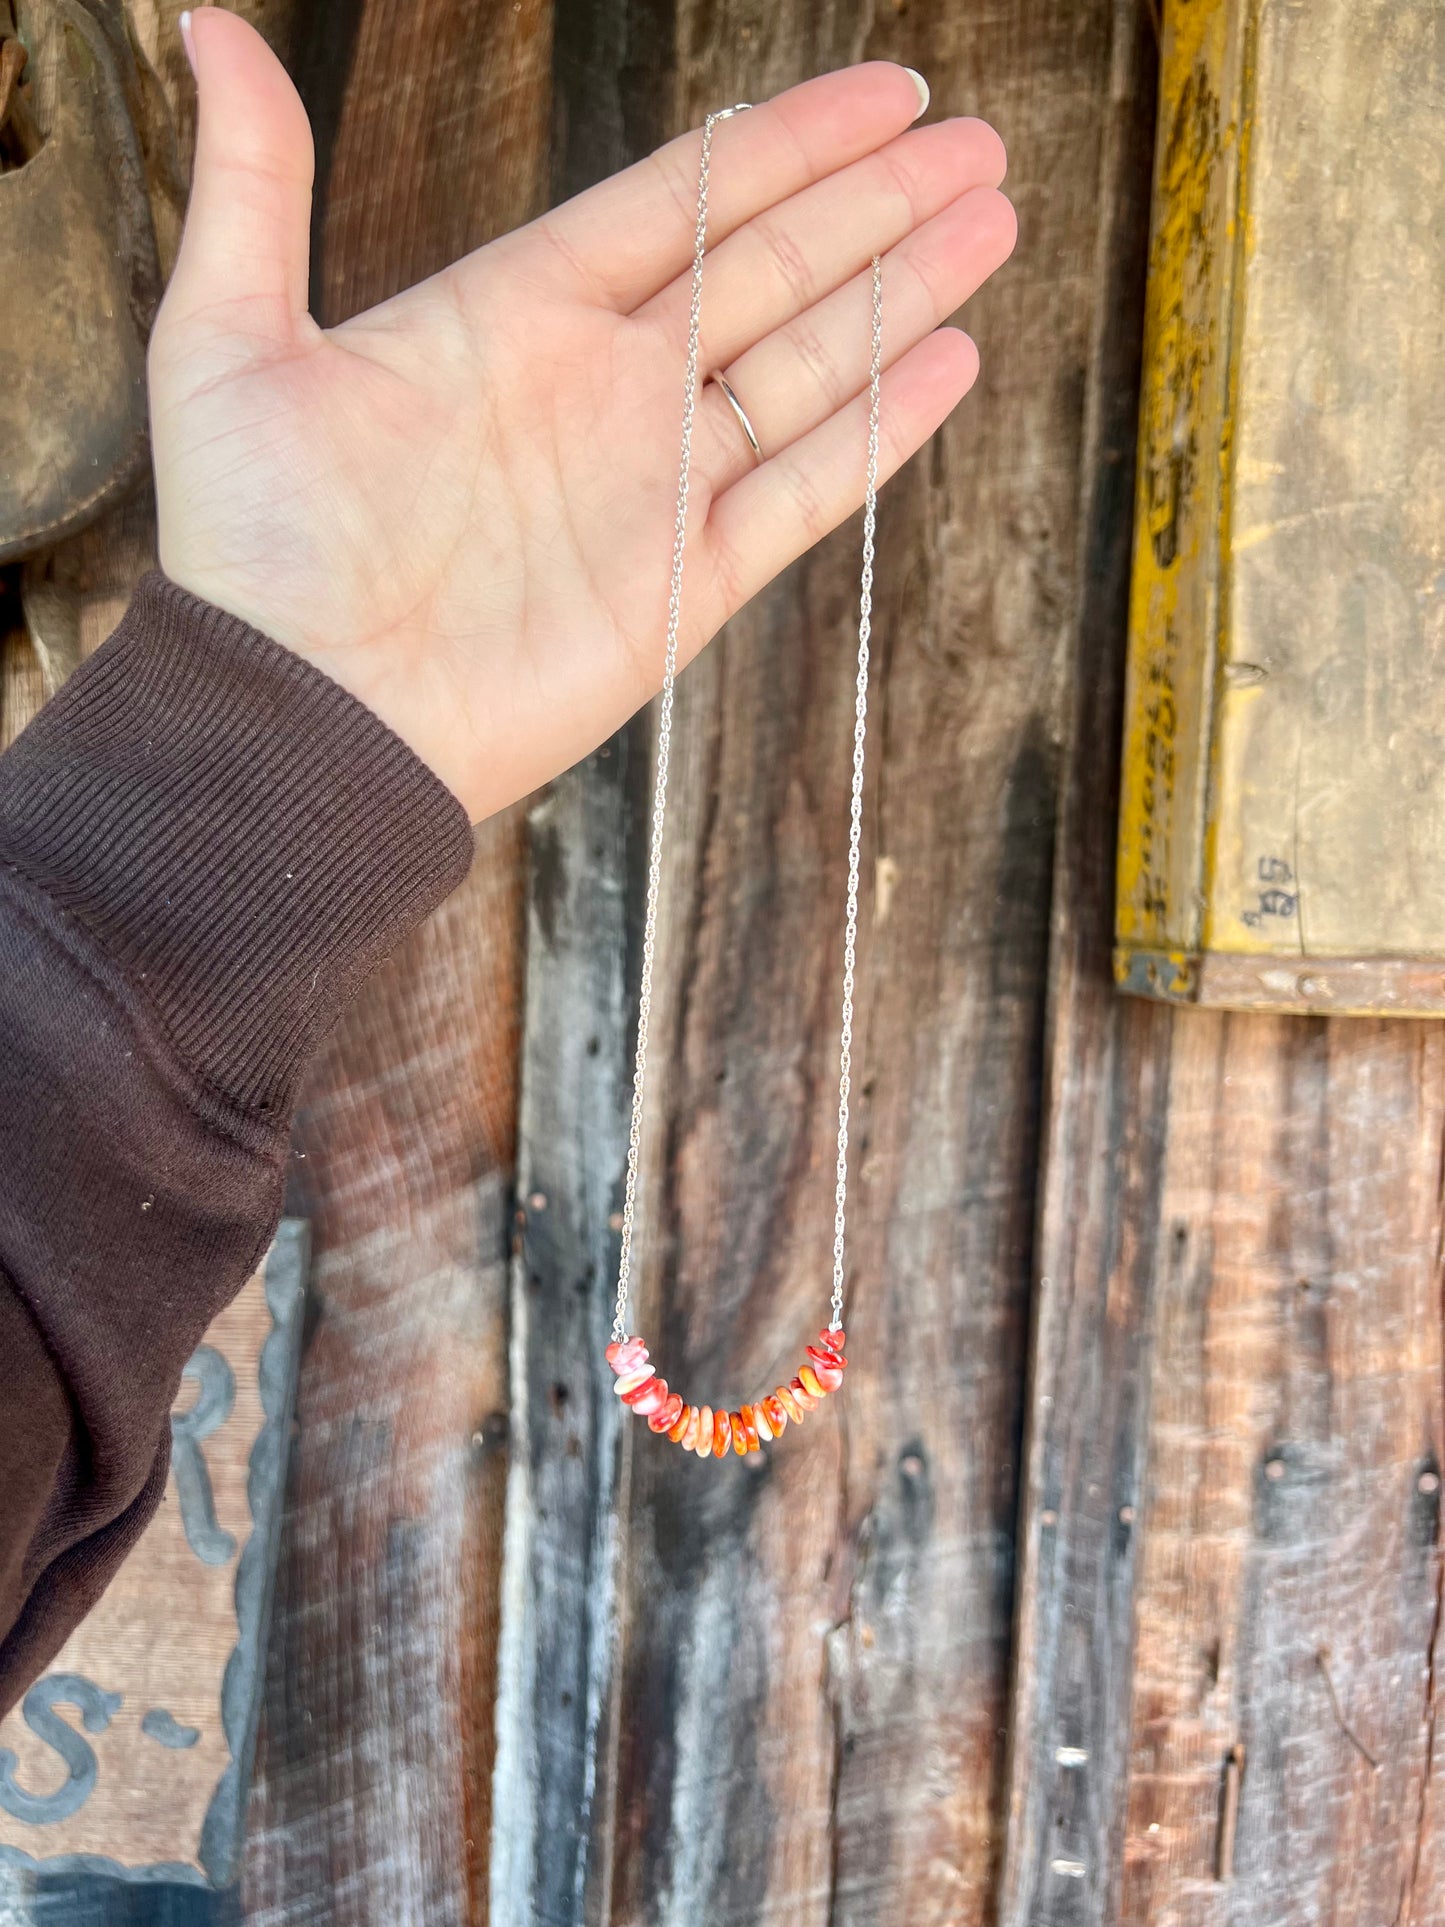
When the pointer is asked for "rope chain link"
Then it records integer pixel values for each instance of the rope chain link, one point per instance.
(664, 751)
(664, 743)
(855, 819)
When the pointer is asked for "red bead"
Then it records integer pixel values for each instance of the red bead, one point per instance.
(820, 1357)
(628, 1388)
(649, 1398)
(832, 1339)
(740, 1433)
(722, 1433)
(750, 1430)
(626, 1355)
(668, 1413)
(784, 1395)
(829, 1376)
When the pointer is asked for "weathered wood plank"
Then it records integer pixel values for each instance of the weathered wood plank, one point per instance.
(1105, 1086)
(375, 1774)
(1230, 1584)
(1280, 837)
(1289, 1575)
(983, 594)
(557, 1687)
(566, 1528)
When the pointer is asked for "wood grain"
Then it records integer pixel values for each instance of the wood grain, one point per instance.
(1289, 1576)
(1106, 1083)
(1229, 1609)
(558, 1699)
(1282, 828)
(559, 1702)
(374, 1779)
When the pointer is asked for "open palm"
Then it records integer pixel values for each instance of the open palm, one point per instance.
(460, 504)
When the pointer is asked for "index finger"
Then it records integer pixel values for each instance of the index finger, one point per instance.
(623, 240)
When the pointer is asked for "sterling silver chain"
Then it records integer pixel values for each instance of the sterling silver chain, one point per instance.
(664, 748)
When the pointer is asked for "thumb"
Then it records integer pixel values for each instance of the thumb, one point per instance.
(244, 253)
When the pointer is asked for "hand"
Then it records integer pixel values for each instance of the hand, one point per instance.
(460, 505)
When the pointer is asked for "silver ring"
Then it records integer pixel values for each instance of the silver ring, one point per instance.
(741, 413)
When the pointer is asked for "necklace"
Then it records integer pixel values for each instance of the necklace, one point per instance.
(700, 1428)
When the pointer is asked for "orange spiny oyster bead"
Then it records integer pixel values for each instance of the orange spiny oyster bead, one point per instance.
(701, 1429)
(784, 1395)
(810, 1401)
(626, 1355)
(668, 1413)
(648, 1398)
(776, 1413)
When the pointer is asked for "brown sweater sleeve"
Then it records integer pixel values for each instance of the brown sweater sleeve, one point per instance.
(205, 846)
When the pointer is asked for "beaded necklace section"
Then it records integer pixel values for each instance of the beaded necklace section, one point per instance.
(700, 1429)
(703, 1429)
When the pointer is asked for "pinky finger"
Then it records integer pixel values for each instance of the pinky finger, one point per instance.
(778, 511)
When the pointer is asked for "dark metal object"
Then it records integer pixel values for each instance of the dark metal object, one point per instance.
(79, 275)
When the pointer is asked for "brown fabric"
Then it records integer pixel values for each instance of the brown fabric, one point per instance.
(205, 845)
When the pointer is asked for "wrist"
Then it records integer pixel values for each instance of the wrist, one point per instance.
(242, 838)
(371, 668)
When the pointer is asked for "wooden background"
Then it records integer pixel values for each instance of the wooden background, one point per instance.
(1112, 1592)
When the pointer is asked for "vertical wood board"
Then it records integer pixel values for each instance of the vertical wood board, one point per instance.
(1289, 1574)
(374, 1783)
(1105, 1083)
(1223, 1707)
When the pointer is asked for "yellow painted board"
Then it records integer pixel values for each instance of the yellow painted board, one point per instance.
(1282, 817)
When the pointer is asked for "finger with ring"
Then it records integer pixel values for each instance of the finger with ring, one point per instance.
(725, 388)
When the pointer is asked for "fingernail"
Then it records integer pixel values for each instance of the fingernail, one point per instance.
(188, 43)
(922, 85)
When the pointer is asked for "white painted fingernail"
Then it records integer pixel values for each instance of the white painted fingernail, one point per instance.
(922, 85)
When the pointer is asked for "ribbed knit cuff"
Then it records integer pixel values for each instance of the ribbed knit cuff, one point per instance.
(243, 839)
